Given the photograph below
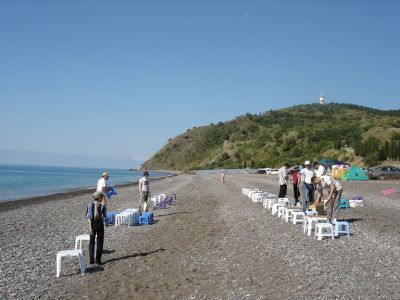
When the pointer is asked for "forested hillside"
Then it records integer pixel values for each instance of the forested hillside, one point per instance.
(341, 131)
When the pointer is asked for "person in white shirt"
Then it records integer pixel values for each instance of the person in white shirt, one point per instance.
(307, 187)
(335, 193)
(102, 185)
(319, 169)
(283, 177)
(144, 189)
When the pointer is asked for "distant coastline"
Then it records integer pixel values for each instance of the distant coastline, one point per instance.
(17, 203)
(21, 182)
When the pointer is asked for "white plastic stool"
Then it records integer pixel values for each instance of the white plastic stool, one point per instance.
(256, 198)
(270, 202)
(65, 253)
(283, 200)
(289, 213)
(275, 207)
(309, 222)
(79, 239)
(324, 229)
(281, 211)
(297, 217)
(341, 227)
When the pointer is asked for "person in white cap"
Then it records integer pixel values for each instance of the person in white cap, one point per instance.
(307, 188)
(102, 185)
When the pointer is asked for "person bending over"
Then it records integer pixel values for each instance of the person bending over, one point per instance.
(335, 192)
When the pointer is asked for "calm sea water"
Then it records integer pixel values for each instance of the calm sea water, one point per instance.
(18, 182)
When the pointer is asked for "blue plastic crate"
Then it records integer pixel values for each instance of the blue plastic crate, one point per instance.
(344, 203)
(146, 218)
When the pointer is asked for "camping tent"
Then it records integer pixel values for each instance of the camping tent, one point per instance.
(330, 162)
(354, 173)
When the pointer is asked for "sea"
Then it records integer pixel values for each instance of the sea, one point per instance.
(20, 182)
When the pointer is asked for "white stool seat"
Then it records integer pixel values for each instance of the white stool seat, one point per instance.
(270, 202)
(309, 222)
(341, 227)
(256, 198)
(311, 213)
(283, 200)
(275, 207)
(289, 213)
(298, 217)
(324, 229)
(79, 239)
(281, 211)
(65, 253)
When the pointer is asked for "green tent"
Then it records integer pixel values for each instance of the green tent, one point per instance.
(354, 173)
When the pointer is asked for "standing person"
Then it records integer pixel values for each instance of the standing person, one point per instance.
(223, 177)
(319, 169)
(283, 177)
(144, 190)
(102, 185)
(307, 188)
(335, 193)
(96, 214)
(295, 182)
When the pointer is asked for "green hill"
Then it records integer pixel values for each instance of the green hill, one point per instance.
(342, 131)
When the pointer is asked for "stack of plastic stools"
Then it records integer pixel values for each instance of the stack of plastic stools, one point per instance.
(162, 203)
(344, 203)
(111, 217)
(169, 199)
(146, 218)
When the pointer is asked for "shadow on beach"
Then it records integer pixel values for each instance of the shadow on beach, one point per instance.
(142, 254)
(177, 213)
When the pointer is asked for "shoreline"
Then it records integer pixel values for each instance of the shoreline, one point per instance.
(11, 204)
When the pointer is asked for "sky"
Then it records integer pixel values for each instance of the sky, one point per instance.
(107, 83)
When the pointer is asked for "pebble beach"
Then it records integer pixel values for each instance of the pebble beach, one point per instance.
(211, 243)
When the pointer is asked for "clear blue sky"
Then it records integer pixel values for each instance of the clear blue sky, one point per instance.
(106, 83)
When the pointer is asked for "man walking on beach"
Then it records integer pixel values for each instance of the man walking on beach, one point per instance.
(144, 189)
(283, 177)
(335, 193)
(102, 185)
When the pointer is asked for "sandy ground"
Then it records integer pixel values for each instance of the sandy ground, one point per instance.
(212, 243)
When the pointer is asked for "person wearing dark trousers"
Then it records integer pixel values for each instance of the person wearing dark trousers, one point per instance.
(283, 177)
(295, 181)
(335, 192)
(96, 215)
(307, 188)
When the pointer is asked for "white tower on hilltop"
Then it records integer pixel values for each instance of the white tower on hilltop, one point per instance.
(321, 99)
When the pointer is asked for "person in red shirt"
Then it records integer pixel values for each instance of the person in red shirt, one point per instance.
(295, 181)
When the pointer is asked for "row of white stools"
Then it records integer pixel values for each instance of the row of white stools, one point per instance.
(74, 252)
(310, 219)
